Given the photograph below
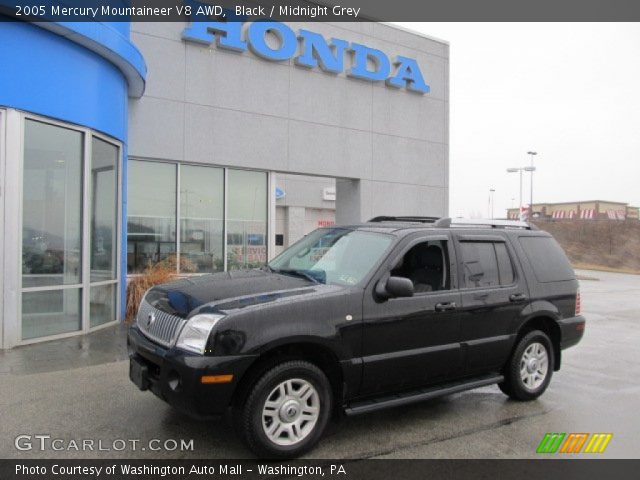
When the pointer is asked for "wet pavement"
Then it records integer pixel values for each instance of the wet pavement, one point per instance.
(78, 389)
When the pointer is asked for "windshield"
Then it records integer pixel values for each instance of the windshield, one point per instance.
(333, 255)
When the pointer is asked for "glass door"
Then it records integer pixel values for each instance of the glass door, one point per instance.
(105, 158)
(52, 185)
(69, 270)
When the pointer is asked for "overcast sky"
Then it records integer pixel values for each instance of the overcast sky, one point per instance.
(570, 91)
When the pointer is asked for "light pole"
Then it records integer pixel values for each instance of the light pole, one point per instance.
(531, 155)
(517, 170)
(520, 170)
(491, 192)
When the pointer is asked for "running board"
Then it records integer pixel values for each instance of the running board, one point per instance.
(414, 396)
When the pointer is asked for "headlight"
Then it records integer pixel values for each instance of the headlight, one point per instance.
(195, 334)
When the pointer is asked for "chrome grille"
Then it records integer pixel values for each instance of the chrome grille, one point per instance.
(159, 326)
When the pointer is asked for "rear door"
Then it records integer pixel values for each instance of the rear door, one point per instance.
(493, 293)
(408, 342)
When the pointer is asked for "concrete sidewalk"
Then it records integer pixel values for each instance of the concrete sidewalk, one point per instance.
(103, 346)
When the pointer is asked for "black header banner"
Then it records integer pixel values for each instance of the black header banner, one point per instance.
(321, 10)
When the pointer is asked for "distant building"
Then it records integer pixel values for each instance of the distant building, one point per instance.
(587, 210)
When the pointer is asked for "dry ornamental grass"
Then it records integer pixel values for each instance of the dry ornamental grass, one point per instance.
(161, 272)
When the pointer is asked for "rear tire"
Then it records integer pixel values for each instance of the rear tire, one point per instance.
(286, 410)
(530, 367)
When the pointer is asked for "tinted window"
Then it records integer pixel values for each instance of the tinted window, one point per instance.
(426, 265)
(549, 262)
(480, 264)
(505, 268)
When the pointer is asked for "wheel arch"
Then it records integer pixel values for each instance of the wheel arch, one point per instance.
(316, 353)
(548, 324)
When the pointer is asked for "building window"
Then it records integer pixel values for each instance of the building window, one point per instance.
(201, 219)
(104, 211)
(103, 304)
(69, 270)
(199, 211)
(151, 220)
(51, 206)
(51, 312)
(247, 219)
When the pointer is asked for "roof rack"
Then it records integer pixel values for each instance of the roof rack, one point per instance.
(464, 222)
(412, 219)
(446, 222)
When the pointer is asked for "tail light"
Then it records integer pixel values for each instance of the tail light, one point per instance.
(578, 303)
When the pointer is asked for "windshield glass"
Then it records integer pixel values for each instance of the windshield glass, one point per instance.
(333, 255)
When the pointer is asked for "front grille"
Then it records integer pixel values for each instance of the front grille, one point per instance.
(159, 326)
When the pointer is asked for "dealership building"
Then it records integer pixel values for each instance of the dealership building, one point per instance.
(123, 144)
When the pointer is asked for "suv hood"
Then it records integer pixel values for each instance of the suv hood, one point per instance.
(227, 290)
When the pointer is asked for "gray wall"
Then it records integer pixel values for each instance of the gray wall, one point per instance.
(207, 105)
(304, 191)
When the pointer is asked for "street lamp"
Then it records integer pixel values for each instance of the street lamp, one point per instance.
(491, 192)
(531, 155)
(520, 170)
(517, 170)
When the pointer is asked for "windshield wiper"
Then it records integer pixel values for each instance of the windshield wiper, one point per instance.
(295, 273)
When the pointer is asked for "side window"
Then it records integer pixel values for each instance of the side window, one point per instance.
(486, 264)
(427, 266)
(549, 262)
(480, 264)
(505, 267)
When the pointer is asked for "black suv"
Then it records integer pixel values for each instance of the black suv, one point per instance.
(357, 318)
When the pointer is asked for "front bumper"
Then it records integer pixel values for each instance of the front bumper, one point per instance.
(571, 331)
(175, 376)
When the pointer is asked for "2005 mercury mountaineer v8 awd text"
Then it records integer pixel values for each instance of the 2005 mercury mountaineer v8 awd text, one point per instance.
(356, 318)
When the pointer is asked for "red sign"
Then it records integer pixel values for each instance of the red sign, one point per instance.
(326, 223)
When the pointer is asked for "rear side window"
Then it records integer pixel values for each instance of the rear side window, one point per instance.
(549, 262)
(486, 264)
(505, 267)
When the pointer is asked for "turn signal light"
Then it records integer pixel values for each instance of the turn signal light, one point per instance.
(216, 378)
(578, 304)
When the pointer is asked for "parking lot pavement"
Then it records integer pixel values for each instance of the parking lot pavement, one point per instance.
(79, 389)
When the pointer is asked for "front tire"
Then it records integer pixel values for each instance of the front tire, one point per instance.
(528, 372)
(286, 411)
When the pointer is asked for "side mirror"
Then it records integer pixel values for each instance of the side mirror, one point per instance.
(395, 287)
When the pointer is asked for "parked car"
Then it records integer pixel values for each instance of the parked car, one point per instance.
(358, 318)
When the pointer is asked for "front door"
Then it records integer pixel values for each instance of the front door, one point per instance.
(413, 341)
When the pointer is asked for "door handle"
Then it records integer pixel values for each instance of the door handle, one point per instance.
(517, 297)
(445, 307)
